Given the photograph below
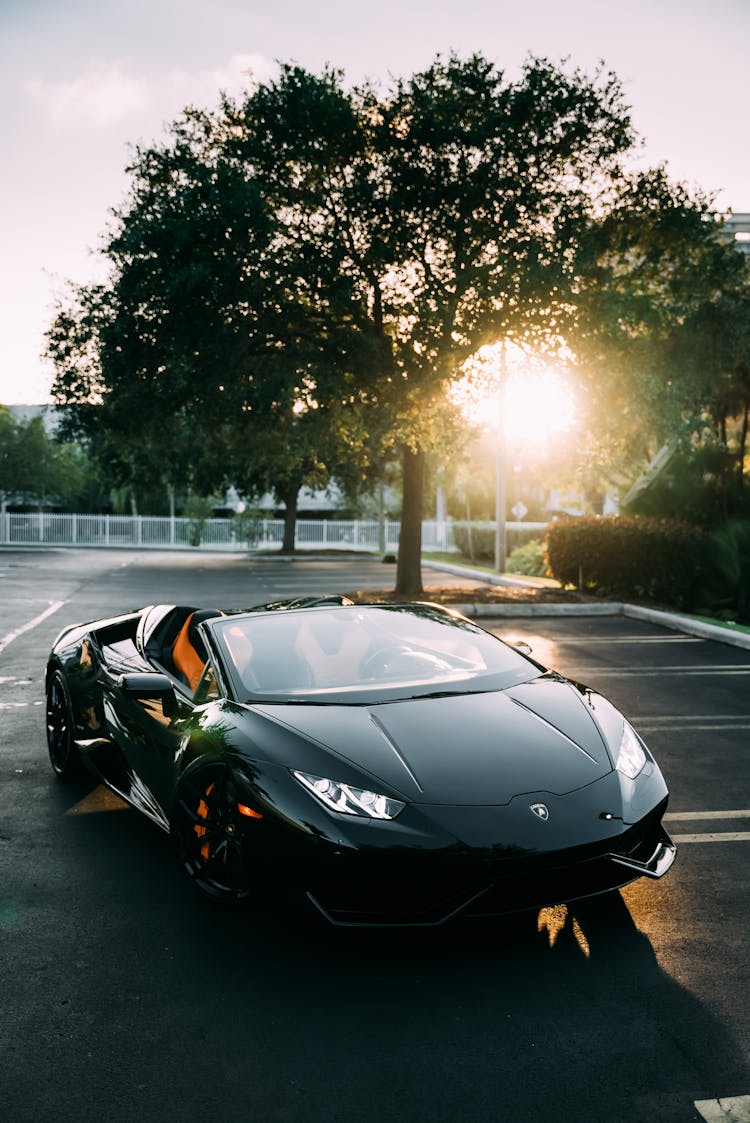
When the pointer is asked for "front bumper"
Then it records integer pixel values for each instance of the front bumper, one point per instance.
(425, 894)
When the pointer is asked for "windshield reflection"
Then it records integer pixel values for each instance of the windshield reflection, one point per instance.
(355, 653)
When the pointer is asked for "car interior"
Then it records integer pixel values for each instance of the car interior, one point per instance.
(176, 646)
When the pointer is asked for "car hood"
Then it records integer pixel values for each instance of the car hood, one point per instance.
(467, 749)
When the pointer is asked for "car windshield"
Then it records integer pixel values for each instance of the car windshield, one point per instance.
(363, 654)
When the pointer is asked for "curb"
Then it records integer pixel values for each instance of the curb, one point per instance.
(669, 620)
(672, 620)
(477, 609)
(482, 575)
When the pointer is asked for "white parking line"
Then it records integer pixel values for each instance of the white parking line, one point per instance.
(668, 719)
(653, 672)
(672, 815)
(689, 727)
(717, 836)
(687, 723)
(54, 606)
(709, 836)
(611, 641)
(731, 1109)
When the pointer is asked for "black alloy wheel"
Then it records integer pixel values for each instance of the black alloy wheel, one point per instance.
(63, 751)
(208, 827)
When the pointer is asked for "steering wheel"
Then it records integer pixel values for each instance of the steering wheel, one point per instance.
(378, 663)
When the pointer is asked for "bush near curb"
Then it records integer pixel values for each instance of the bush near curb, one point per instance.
(483, 539)
(663, 560)
(529, 560)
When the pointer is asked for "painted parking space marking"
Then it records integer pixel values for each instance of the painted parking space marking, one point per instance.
(729, 1109)
(668, 719)
(653, 672)
(54, 606)
(617, 641)
(674, 815)
(729, 726)
(709, 816)
(716, 836)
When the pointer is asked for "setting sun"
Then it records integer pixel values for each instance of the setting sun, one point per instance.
(538, 402)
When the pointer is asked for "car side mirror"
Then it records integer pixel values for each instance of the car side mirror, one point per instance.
(522, 646)
(150, 684)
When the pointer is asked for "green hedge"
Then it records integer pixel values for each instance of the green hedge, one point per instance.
(725, 592)
(663, 560)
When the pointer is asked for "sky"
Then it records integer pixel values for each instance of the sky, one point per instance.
(82, 81)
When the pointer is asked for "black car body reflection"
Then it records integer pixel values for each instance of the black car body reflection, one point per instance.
(395, 763)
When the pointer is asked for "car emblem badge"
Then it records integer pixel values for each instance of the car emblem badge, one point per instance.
(540, 810)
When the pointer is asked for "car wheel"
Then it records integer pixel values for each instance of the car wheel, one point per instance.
(63, 751)
(208, 828)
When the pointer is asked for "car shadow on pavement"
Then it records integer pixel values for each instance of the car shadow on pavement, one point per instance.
(144, 993)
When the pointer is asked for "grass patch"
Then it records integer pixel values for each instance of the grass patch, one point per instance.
(730, 624)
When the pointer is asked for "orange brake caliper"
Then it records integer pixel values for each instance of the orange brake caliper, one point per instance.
(203, 813)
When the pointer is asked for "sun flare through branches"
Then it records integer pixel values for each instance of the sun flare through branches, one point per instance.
(530, 392)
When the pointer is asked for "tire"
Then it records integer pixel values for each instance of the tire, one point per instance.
(64, 755)
(208, 831)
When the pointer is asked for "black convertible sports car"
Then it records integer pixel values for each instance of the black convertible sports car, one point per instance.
(395, 763)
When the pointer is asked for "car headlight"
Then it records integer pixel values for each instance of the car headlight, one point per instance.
(631, 757)
(349, 800)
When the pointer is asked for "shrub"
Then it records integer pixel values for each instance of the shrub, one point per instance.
(657, 559)
(529, 560)
(725, 590)
(198, 511)
(483, 539)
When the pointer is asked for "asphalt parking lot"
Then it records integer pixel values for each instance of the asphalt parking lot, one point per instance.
(126, 996)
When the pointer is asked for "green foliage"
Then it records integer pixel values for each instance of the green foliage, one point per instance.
(724, 592)
(480, 543)
(36, 469)
(704, 484)
(198, 510)
(247, 526)
(296, 279)
(657, 559)
(530, 560)
(662, 334)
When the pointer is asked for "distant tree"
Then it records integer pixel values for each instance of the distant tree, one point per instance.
(8, 470)
(34, 467)
(661, 322)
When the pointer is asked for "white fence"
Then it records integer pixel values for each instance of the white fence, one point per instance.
(42, 529)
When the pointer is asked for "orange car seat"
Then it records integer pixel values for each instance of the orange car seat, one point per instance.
(188, 652)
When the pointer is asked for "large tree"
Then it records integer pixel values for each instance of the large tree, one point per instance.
(298, 278)
(211, 355)
(459, 198)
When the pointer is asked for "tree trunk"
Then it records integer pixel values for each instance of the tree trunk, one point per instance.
(409, 569)
(289, 499)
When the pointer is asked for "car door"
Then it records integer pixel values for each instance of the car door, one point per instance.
(146, 715)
